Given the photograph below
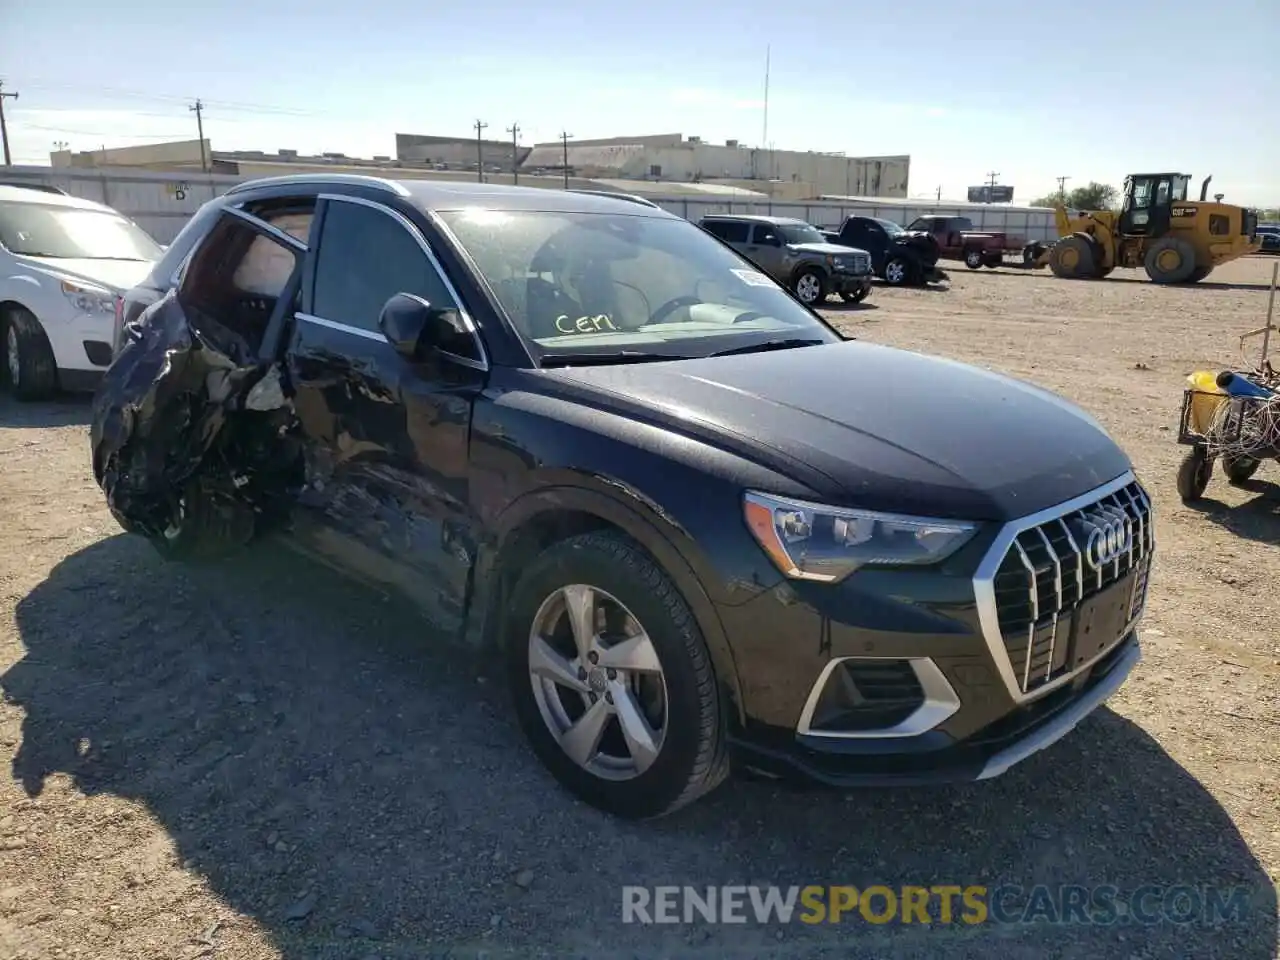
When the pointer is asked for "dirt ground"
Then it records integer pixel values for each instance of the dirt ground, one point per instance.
(261, 761)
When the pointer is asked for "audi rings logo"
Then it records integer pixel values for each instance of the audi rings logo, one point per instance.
(1106, 538)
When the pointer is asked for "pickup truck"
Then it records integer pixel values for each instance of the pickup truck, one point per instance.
(898, 258)
(958, 240)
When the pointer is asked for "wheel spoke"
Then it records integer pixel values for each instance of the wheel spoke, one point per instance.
(546, 662)
(580, 603)
(634, 653)
(582, 740)
(640, 737)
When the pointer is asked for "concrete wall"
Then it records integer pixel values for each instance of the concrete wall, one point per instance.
(162, 202)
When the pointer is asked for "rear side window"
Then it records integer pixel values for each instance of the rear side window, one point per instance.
(731, 231)
(235, 278)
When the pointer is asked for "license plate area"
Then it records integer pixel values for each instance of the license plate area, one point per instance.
(1100, 621)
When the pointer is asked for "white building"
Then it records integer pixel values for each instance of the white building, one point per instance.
(672, 157)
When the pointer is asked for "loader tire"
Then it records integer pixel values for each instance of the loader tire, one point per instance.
(1072, 258)
(1170, 260)
(1198, 274)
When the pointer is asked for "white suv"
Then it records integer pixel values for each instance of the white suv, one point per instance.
(64, 264)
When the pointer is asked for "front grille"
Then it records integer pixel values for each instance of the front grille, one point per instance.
(862, 263)
(1048, 588)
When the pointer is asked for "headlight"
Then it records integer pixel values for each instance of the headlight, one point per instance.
(811, 541)
(89, 299)
(839, 263)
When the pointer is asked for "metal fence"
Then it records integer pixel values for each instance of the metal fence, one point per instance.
(162, 202)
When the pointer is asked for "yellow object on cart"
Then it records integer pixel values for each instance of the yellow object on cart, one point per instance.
(1208, 397)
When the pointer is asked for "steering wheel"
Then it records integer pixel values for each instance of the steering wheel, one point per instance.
(671, 306)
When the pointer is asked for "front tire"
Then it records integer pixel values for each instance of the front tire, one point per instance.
(857, 296)
(1193, 475)
(810, 287)
(1170, 260)
(898, 272)
(29, 362)
(612, 681)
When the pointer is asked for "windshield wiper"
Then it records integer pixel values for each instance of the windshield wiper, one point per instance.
(762, 346)
(590, 359)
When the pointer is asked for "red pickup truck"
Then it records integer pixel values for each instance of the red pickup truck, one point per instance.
(958, 240)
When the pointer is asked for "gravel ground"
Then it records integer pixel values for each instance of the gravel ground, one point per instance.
(260, 760)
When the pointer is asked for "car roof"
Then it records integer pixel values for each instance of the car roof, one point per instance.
(442, 195)
(47, 199)
(754, 218)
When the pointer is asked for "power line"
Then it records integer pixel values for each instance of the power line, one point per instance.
(1062, 188)
(514, 130)
(564, 144)
(198, 108)
(4, 131)
(120, 92)
(480, 128)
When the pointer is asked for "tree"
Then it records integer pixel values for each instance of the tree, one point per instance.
(1093, 196)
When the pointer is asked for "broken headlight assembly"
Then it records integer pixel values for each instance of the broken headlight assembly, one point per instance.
(813, 541)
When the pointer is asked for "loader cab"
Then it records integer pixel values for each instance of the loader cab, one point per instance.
(1148, 201)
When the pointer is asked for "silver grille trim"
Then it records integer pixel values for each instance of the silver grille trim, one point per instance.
(939, 703)
(1057, 584)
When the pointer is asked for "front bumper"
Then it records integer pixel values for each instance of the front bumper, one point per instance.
(952, 673)
(850, 283)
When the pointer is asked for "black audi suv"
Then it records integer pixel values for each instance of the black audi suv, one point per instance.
(701, 527)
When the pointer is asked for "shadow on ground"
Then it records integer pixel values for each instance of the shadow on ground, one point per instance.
(1256, 519)
(68, 410)
(267, 696)
(1010, 269)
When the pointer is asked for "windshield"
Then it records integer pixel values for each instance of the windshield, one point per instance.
(37, 230)
(584, 282)
(891, 228)
(802, 233)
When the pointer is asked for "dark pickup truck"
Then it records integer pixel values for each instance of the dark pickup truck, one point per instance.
(958, 240)
(898, 257)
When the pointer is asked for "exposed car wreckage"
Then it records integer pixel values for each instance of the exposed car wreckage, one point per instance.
(193, 436)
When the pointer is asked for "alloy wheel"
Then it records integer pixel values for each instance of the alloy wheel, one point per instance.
(807, 288)
(598, 682)
(895, 272)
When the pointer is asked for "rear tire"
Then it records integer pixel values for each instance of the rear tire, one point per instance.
(1170, 260)
(974, 258)
(1193, 475)
(556, 687)
(29, 362)
(1240, 469)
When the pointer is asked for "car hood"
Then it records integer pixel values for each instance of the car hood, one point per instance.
(873, 426)
(117, 275)
(825, 249)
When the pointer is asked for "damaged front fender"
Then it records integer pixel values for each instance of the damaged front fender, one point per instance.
(193, 438)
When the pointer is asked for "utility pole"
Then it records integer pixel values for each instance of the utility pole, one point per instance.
(480, 126)
(4, 130)
(938, 195)
(991, 186)
(60, 145)
(514, 130)
(564, 145)
(198, 109)
(1062, 189)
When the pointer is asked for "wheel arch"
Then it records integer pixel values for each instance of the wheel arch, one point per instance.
(574, 505)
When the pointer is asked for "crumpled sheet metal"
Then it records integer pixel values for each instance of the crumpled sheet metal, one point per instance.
(160, 410)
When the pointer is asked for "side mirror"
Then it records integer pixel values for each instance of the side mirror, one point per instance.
(414, 327)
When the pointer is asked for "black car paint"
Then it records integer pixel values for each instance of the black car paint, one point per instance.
(438, 479)
(918, 249)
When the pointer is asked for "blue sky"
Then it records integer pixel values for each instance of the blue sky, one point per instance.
(1031, 90)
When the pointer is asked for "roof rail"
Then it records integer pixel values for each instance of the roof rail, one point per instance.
(617, 196)
(354, 179)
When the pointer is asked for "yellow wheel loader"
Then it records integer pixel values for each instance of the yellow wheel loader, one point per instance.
(1174, 239)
